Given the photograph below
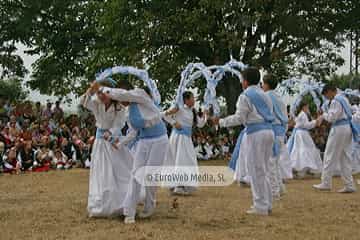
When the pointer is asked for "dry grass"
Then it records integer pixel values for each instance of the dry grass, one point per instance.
(53, 206)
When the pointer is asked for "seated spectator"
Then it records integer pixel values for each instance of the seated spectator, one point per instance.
(47, 113)
(57, 112)
(203, 150)
(26, 156)
(26, 133)
(43, 155)
(11, 164)
(5, 133)
(225, 147)
(61, 161)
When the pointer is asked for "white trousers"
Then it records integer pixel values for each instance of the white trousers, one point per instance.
(275, 171)
(338, 151)
(258, 153)
(148, 152)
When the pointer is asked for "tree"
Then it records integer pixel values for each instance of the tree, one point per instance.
(78, 38)
(345, 81)
(11, 89)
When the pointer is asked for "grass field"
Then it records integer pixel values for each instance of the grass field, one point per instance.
(53, 206)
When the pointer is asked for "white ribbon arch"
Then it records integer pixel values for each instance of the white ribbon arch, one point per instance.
(213, 75)
(129, 70)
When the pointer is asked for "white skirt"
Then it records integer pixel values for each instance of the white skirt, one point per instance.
(241, 168)
(305, 155)
(285, 163)
(182, 154)
(110, 171)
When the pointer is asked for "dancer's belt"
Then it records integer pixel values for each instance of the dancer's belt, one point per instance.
(184, 130)
(341, 122)
(100, 132)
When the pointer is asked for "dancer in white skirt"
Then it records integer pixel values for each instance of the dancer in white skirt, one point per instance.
(238, 160)
(182, 152)
(151, 147)
(110, 165)
(304, 154)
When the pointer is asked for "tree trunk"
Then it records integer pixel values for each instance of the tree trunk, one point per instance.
(230, 88)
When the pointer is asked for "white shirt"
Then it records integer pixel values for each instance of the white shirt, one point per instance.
(302, 121)
(185, 117)
(335, 112)
(246, 112)
(149, 111)
(106, 119)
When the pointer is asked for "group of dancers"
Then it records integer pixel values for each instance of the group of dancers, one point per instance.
(261, 157)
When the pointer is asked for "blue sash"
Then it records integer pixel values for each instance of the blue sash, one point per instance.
(260, 104)
(263, 109)
(355, 128)
(292, 138)
(187, 131)
(100, 134)
(236, 152)
(279, 129)
(138, 122)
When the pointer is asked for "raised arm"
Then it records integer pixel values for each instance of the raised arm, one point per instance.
(87, 101)
(134, 96)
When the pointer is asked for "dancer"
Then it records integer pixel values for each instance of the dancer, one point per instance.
(182, 152)
(339, 144)
(152, 145)
(304, 155)
(110, 166)
(254, 110)
(280, 127)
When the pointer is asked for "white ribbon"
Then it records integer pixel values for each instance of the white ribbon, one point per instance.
(140, 73)
(213, 75)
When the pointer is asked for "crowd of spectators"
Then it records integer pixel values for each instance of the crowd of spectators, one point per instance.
(40, 138)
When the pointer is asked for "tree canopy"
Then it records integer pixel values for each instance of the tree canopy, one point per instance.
(75, 39)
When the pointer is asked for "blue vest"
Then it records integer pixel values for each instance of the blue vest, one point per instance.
(292, 138)
(236, 152)
(355, 128)
(138, 123)
(263, 109)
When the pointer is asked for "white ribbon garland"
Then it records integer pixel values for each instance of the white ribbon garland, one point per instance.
(213, 75)
(140, 73)
(306, 87)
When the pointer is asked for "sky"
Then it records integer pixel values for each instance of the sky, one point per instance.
(36, 96)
